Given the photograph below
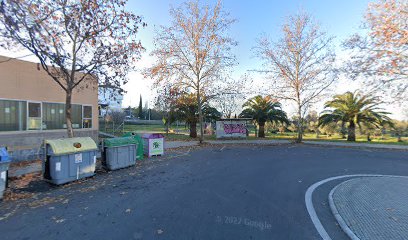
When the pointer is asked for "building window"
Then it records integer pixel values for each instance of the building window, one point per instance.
(53, 115)
(13, 115)
(76, 116)
(87, 117)
(26, 115)
(34, 121)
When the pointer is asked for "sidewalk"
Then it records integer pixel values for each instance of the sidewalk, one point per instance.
(177, 144)
(372, 207)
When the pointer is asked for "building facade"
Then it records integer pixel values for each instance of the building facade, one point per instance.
(32, 108)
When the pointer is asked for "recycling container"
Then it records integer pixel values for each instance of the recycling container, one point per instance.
(119, 152)
(138, 138)
(153, 144)
(69, 159)
(4, 165)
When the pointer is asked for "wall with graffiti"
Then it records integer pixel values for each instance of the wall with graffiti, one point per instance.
(231, 129)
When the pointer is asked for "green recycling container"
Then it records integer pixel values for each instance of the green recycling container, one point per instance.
(138, 138)
(119, 152)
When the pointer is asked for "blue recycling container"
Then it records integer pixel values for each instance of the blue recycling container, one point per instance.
(4, 165)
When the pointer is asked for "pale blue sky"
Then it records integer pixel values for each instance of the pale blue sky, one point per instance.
(339, 18)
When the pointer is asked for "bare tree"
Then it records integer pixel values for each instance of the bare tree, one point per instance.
(75, 41)
(300, 64)
(117, 117)
(228, 104)
(381, 56)
(194, 52)
(229, 95)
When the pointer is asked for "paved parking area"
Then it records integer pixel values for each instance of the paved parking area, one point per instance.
(214, 192)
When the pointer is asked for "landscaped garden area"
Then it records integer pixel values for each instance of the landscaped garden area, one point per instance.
(181, 133)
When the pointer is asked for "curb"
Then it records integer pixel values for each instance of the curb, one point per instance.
(353, 145)
(339, 218)
(343, 225)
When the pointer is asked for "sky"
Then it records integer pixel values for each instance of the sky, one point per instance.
(339, 18)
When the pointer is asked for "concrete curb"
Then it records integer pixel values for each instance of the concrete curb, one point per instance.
(339, 218)
(254, 142)
(358, 145)
(333, 208)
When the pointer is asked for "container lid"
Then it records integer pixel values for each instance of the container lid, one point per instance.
(120, 141)
(132, 134)
(71, 145)
(152, 135)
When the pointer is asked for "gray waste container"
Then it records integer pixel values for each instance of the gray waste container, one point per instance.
(153, 144)
(69, 159)
(4, 165)
(119, 152)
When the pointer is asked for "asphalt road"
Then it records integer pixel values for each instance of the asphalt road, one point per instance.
(223, 192)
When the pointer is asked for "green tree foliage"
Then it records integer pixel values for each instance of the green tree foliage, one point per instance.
(312, 123)
(400, 129)
(354, 109)
(263, 109)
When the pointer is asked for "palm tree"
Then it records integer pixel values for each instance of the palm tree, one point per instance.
(354, 109)
(263, 109)
(186, 109)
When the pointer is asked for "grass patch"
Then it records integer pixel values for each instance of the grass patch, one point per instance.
(387, 139)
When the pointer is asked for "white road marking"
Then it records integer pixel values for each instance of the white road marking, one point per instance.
(309, 203)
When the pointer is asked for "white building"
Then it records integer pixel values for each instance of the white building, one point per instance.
(109, 100)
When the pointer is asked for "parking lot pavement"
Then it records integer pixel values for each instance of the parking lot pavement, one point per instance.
(217, 192)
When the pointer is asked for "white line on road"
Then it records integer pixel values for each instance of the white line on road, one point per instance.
(309, 203)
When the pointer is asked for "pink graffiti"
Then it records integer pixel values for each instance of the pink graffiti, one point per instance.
(234, 128)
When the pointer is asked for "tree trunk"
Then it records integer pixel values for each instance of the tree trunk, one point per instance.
(300, 126)
(193, 130)
(68, 111)
(351, 135)
(200, 116)
(383, 132)
(399, 138)
(261, 132)
(167, 124)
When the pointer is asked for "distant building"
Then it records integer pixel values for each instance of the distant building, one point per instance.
(109, 100)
